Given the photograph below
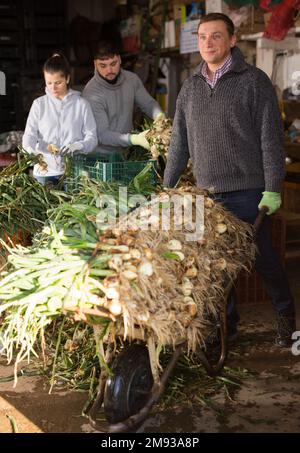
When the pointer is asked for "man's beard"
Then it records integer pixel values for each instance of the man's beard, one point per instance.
(111, 81)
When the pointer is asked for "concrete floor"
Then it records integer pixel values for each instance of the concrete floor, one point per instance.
(267, 401)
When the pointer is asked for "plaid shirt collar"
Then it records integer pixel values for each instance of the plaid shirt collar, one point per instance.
(219, 72)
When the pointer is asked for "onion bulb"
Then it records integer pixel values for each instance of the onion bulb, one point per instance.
(190, 306)
(221, 228)
(174, 245)
(115, 307)
(192, 272)
(112, 293)
(145, 269)
(130, 275)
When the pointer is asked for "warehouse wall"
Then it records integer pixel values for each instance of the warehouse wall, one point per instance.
(96, 10)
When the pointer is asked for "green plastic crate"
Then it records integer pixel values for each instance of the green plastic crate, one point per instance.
(122, 172)
(107, 168)
(80, 161)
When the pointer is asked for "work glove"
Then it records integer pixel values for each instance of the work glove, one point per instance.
(272, 200)
(160, 116)
(71, 149)
(140, 139)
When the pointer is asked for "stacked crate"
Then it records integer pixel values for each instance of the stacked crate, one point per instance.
(11, 62)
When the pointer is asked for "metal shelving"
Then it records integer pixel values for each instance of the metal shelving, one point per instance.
(30, 31)
(11, 62)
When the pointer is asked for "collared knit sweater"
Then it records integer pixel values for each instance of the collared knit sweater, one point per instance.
(233, 133)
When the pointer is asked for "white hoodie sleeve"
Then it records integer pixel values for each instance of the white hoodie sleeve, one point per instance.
(89, 129)
(31, 135)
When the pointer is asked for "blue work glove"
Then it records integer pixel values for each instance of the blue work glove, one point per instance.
(140, 139)
(71, 149)
(272, 200)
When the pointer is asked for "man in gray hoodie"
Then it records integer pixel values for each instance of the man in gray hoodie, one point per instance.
(112, 93)
(228, 122)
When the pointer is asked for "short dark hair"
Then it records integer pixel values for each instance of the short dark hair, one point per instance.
(218, 16)
(57, 63)
(105, 49)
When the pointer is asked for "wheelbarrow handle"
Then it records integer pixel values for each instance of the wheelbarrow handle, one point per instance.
(259, 219)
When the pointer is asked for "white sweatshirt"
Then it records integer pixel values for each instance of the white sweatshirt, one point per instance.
(59, 122)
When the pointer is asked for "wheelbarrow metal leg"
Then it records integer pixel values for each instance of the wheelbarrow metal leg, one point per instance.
(213, 370)
(101, 387)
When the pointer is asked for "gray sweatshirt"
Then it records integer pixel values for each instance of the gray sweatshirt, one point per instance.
(233, 133)
(113, 107)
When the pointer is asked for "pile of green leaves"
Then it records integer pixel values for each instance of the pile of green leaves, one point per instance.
(23, 201)
(61, 272)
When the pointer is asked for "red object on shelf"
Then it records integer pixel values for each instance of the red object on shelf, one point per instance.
(282, 19)
(130, 44)
(7, 159)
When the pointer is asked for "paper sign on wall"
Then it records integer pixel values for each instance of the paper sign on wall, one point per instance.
(189, 37)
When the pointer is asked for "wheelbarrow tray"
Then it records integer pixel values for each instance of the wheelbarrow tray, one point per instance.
(129, 393)
(133, 371)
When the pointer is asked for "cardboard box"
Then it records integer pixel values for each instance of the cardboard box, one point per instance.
(267, 17)
(297, 20)
(170, 35)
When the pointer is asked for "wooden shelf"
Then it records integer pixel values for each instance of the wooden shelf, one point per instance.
(292, 254)
(292, 150)
(291, 246)
(293, 168)
(290, 218)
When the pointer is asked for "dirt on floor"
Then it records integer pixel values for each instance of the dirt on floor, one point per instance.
(268, 400)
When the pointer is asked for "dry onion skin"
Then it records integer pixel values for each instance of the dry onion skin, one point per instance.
(170, 286)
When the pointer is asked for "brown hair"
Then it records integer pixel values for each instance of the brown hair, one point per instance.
(105, 49)
(57, 63)
(218, 16)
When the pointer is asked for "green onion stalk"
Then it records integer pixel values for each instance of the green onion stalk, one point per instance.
(62, 273)
(23, 201)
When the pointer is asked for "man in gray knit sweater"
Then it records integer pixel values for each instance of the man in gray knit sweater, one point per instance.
(113, 93)
(228, 123)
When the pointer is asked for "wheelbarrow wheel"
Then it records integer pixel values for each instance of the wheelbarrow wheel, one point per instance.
(127, 389)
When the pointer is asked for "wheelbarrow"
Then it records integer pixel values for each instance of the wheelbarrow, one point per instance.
(133, 386)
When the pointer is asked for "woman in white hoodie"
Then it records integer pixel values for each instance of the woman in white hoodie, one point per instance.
(59, 123)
